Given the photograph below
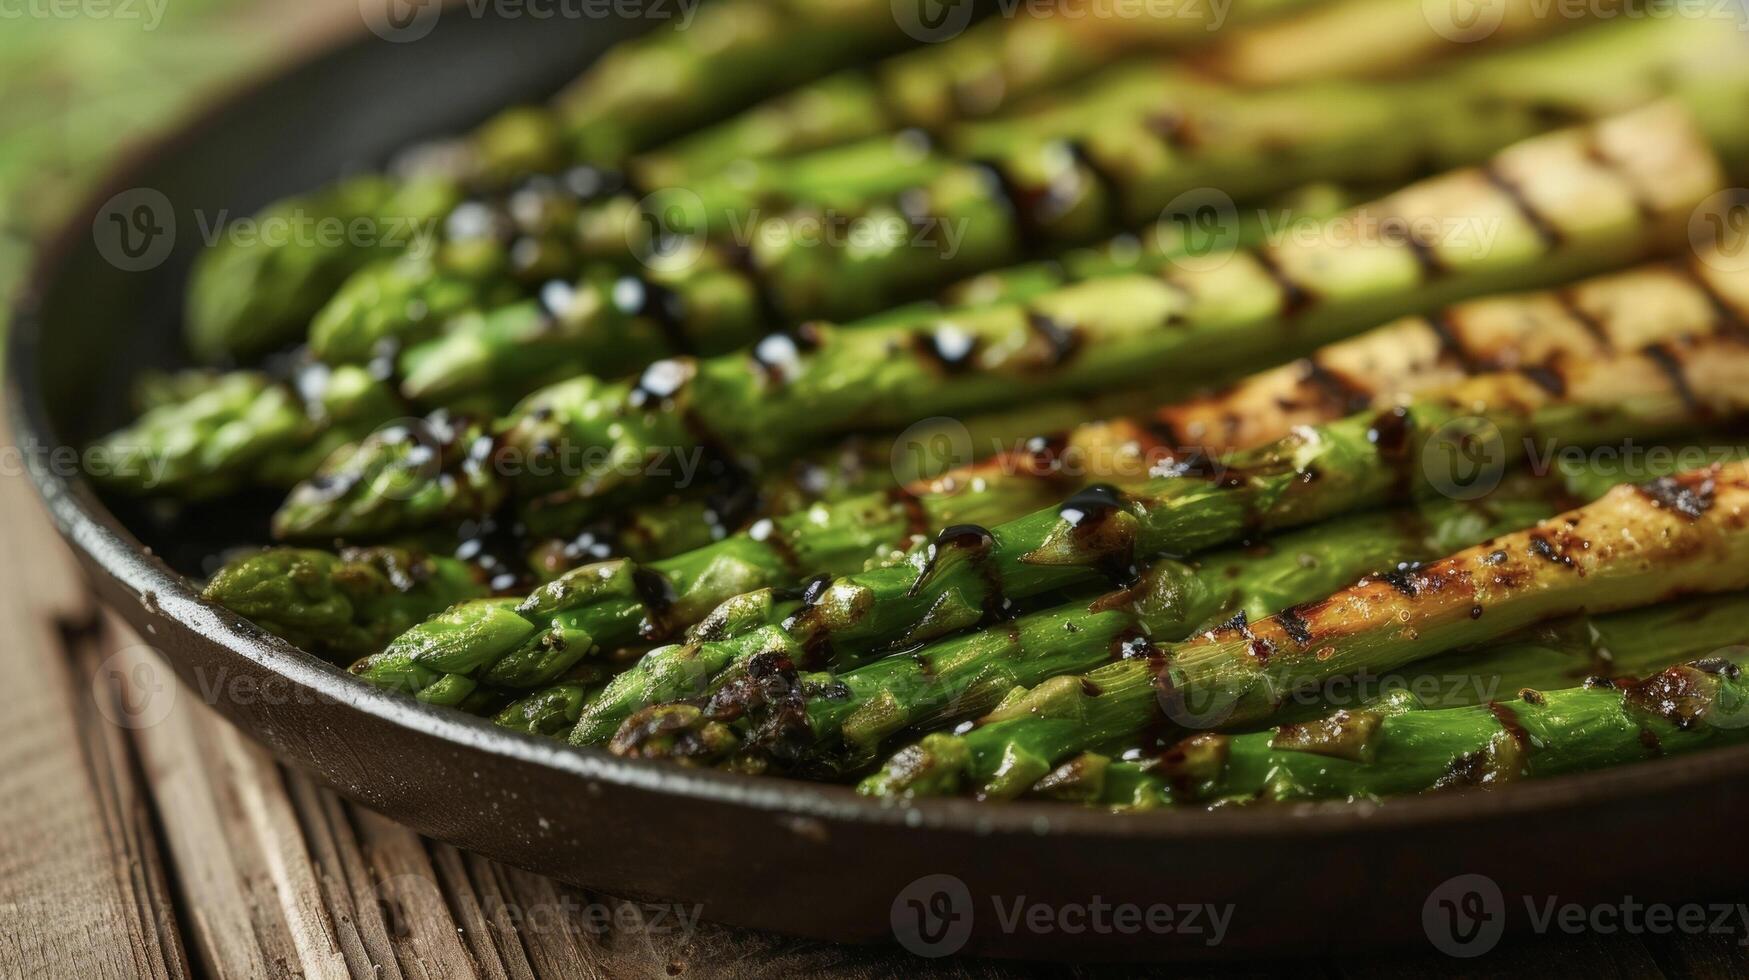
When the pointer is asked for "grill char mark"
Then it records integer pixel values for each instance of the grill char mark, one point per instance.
(1546, 230)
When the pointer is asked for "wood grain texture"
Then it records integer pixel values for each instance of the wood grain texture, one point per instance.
(143, 836)
(83, 886)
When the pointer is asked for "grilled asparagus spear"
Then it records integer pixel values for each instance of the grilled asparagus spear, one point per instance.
(971, 575)
(619, 602)
(992, 66)
(998, 64)
(250, 296)
(341, 606)
(241, 429)
(1075, 175)
(1400, 748)
(1631, 548)
(1636, 643)
(864, 706)
(800, 720)
(1562, 205)
(1026, 735)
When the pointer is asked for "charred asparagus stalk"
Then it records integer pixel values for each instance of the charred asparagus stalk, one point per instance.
(956, 676)
(1626, 645)
(861, 465)
(1621, 647)
(1401, 748)
(1047, 183)
(1182, 326)
(619, 602)
(998, 64)
(250, 296)
(341, 606)
(1023, 739)
(219, 433)
(992, 66)
(971, 575)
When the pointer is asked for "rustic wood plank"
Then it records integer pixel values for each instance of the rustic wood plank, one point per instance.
(83, 890)
(502, 925)
(345, 882)
(250, 887)
(425, 936)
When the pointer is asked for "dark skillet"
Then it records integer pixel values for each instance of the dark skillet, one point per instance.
(810, 860)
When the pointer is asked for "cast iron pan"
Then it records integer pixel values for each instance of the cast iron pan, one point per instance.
(809, 860)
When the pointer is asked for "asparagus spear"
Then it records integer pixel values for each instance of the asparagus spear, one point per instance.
(1633, 644)
(866, 705)
(1111, 164)
(1115, 330)
(530, 240)
(609, 323)
(1621, 647)
(251, 296)
(991, 66)
(998, 64)
(1022, 740)
(1069, 176)
(217, 433)
(618, 602)
(1373, 37)
(971, 575)
(863, 464)
(653, 88)
(341, 606)
(1401, 748)
(1630, 548)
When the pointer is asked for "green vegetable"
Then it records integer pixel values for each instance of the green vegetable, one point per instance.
(970, 575)
(211, 434)
(251, 295)
(1024, 738)
(1399, 747)
(619, 602)
(340, 606)
(847, 231)
(587, 441)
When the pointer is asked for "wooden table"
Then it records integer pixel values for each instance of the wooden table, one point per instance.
(141, 835)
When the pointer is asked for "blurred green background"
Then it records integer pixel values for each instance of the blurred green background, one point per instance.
(77, 90)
